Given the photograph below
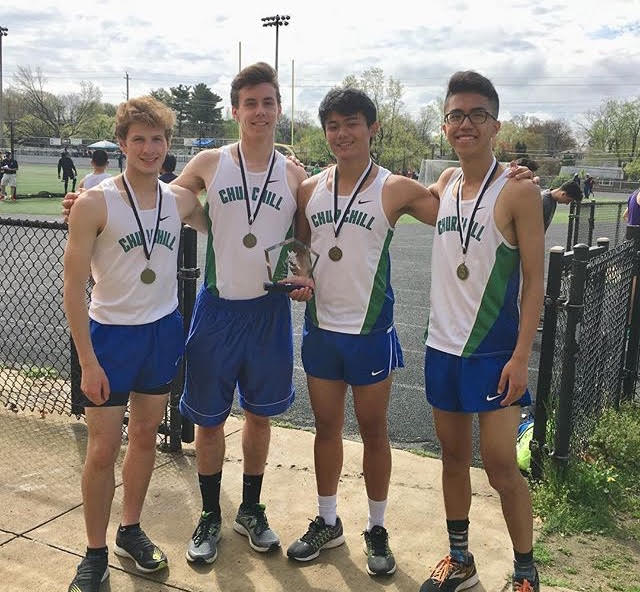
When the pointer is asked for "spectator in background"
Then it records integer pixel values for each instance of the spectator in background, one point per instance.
(167, 169)
(632, 213)
(121, 159)
(9, 167)
(69, 172)
(99, 162)
(588, 184)
(576, 179)
(565, 194)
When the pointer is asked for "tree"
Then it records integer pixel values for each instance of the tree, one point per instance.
(54, 115)
(632, 170)
(162, 95)
(203, 113)
(312, 147)
(180, 97)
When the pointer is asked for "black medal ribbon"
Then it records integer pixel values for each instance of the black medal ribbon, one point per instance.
(335, 253)
(147, 249)
(464, 241)
(251, 242)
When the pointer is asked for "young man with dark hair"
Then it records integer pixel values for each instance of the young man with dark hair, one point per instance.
(167, 169)
(478, 342)
(9, 167)
(69, 172)
(239, 336)
(99, 162)
(565, 194)
(126, 232)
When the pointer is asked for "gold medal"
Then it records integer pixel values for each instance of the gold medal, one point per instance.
(249, 240)
(148, 276)
(335, 253)
(462, 271)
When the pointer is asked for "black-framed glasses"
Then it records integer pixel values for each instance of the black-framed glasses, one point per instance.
(476, 116)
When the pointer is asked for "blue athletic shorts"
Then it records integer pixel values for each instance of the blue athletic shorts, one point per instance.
(467, 385)
(243, 343)
(140, 358)
(355, 359)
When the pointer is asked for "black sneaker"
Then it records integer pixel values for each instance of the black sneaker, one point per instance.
(451, 576)
(91, 572)
(319, 536)
(135, 544)
(526, 585)
(380, 560)
(252, 522)
(203, 546)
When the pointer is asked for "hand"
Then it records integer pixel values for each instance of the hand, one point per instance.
(519, 172)
(294, 160)
(515, 374)
(67, 204)
(304, 293)
(95, 384)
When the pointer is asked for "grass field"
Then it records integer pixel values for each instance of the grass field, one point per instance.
(36, 178)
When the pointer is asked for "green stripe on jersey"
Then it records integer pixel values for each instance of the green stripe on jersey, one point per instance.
(210, 265)
(311, 309)
(493, 298)
(379, 288)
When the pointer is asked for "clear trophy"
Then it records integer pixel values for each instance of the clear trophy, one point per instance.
(286, 262)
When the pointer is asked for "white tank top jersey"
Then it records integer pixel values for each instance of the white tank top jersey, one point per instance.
(478, 316)
(119, 297)
(93, 179)
(233, 271)
(352, 295)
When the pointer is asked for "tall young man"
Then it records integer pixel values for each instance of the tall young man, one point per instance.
(489, 231)
(239, 336)
(348, 213)
(126, 231)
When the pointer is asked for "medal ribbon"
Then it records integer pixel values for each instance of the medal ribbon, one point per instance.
(361, 181)
(251, 217)
(148, 249)
(464, 242)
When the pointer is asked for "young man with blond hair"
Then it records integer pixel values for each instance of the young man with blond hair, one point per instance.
(126, 232)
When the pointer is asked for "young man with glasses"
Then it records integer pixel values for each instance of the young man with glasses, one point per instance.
(488, 230)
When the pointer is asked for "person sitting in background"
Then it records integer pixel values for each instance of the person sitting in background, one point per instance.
(167, 169)
(99, 162)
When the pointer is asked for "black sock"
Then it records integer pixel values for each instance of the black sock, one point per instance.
(97, 551)
(210, 491)
(523, 565)
(129, 528)
(251, 488)
(459, 539)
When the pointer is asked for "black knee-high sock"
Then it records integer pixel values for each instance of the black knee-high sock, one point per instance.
(251, 488)
(210, 491)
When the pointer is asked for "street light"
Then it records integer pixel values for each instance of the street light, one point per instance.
(280, 20)
(3, 33)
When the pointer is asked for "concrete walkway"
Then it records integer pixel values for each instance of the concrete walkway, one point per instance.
(42, 528)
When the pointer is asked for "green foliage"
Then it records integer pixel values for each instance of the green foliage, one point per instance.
(559, 180)
(632, 170)
(589, 494)
(39, 372)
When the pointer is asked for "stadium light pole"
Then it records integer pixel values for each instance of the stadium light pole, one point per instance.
(277, 21)
(3, 33)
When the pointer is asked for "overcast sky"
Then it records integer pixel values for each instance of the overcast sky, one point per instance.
(547, 58)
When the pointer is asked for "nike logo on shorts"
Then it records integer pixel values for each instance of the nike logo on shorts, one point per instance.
(378, 372)
(493, 397)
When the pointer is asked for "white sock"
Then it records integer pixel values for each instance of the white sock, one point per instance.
(328, 508)
(376, 514)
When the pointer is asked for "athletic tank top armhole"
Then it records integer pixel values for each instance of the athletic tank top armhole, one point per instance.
(381, 178)
(322, 180)
(282, 165)
(452, 181)
(110, 194)
(223, 154)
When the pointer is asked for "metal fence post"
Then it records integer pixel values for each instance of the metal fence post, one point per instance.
(180, 429)
(592, 220)
(538, 445)
(562, 436)
(572, 216)
(630, 371)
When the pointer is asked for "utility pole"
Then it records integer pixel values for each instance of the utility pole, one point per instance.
(3, 33)
(126, 77)
(239, 56)
(277, 22)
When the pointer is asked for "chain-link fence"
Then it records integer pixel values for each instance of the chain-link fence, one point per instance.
(590, 220)
(39, 370)
(589, 351)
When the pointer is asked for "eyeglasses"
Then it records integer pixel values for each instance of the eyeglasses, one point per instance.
(477, 116)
